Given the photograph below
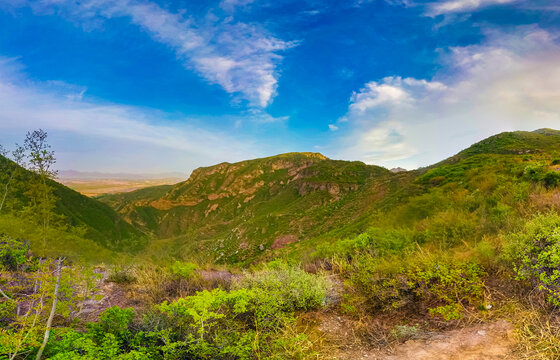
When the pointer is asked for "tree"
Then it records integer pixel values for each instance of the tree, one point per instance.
(58, 272)
(18, 156)
(41, 161)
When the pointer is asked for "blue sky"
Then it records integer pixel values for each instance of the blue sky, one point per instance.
(153, 86)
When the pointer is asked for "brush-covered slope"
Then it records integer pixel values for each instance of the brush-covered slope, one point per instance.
(101, 223)
(482, 191)
(236, 211)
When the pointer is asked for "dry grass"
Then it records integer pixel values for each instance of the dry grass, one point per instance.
(537, 333)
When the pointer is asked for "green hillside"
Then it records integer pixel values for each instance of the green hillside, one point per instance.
(236, 212)
(99, 221)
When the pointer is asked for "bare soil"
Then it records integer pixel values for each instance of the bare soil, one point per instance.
(487, 341)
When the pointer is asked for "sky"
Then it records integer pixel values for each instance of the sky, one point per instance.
(151, 86)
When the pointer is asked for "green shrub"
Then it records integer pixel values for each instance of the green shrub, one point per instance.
(534, 253)
(184, 270)
(551, 179)
(534, 172)
(74, 345)
(454, 285)
(13, 253)
(445, 285)
(404, 332)
(115, 321)
(375, 241)
(290, 286)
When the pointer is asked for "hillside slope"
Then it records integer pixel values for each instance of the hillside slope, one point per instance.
(102, 224)
(236, 211)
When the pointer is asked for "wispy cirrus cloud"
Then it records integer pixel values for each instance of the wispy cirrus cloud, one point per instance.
(242, 58)
(459, 6)
(509, 82)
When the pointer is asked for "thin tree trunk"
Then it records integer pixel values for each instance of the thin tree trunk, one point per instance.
(53, 310)
(4, 295)
(6, 187)
(16, 351)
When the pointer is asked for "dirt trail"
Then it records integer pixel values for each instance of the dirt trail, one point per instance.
(478, 342)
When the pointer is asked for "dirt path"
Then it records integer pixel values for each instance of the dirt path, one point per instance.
(478, 342)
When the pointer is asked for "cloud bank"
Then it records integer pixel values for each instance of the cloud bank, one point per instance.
(509, 82)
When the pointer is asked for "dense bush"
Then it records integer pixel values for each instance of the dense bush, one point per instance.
(535, 254)
(375, 241)
(290, 287)
(445, 285)
(184, 270)
(13, 253)
(539, 173)
(452, 285)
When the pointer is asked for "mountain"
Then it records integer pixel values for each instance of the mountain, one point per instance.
(235, 212)
(101, 223)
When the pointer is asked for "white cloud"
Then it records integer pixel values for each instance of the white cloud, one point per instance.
(459, 6)
(391, 90)
(241, 58)
(143, 133)
(333, 127)
(510, 82)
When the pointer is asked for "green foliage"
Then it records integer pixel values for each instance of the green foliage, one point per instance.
(114, 321)
(252, 322)
(25, 312)
(539, 173)
(404, 332)
(535, 254)
(375, 241)
(551, 179)
(13, 253)
(79, 346)
(455, 284)
(535, 172)
(289, 287)
(184, 270)
(446, 285)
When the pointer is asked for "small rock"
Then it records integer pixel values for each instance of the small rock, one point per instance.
(481, 332)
